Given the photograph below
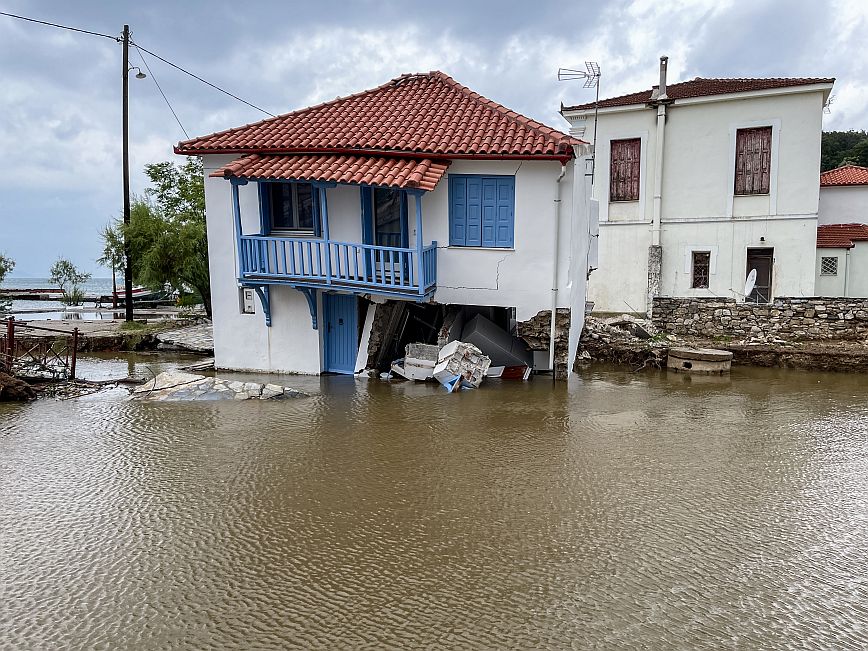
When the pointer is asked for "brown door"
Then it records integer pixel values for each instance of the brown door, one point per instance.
(761, 260)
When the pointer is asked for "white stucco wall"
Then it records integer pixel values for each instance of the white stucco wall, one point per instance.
(846, 204)
(698, 205)
(852, 277)
(520, 277)
(827, 285)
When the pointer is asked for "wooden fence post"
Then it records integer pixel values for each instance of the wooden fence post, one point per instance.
(74, 353)
(10, 344)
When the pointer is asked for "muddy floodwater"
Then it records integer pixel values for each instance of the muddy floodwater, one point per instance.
(618, 511)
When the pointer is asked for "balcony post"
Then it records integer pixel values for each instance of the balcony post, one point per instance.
(420, 269)
(324, 215)
(236, 212)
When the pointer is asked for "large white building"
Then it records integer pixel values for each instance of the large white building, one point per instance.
(842, 236)
(418, 191)
(699, 182)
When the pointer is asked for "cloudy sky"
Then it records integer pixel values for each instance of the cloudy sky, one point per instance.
(60, 102)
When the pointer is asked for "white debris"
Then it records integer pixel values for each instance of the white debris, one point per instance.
(461, 364)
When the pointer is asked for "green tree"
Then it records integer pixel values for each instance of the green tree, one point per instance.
(167, 233)
(6, 265)
(112, 252)
(841, 147)
(69, 278)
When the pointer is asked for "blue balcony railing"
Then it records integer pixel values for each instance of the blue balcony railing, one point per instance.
(314, 262)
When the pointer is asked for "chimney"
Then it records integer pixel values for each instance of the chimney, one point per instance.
(664, 61)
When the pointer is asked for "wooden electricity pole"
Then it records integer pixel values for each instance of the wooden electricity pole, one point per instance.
(128, 257)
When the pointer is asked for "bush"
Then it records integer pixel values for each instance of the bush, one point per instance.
(65, 275)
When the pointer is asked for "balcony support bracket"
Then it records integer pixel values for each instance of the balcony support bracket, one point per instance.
(264, 294)
(310, 295)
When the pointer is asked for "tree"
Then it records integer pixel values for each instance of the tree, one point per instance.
(112, 254)
(65, 275)
(167, 232)
(841, 147)
(6, 266)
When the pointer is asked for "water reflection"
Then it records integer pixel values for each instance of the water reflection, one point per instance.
(619, 511)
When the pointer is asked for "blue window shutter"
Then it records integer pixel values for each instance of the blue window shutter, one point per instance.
(264, 209)
(367, 211)
(474, 211)
(489, 210)
(505, 212)
(457, 210)
(317, 213)
(405, 223)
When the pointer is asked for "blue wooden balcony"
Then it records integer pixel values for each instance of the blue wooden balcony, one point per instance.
(318, 263)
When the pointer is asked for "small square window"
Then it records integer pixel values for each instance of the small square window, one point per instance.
(701, 269)
(829, 266)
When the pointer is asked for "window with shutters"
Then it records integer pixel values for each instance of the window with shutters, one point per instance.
(753, 160)
(481, 210)
(701, 269)
(289, 207)
(624, 170)
(829, 266)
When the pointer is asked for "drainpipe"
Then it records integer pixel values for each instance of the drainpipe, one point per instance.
(655, 251)
(556, 247)
(846, 271)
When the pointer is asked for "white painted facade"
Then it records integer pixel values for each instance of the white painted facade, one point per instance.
(698, 208)
(520, 277)
(851, 276)
(844, 204)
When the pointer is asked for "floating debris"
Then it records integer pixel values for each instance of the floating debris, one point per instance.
(461, 364)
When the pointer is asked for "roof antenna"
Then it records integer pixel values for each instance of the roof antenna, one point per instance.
(591, 75)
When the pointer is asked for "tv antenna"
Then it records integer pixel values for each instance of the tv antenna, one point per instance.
(591, 75)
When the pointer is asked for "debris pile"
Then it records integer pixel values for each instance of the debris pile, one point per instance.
(14, 390)
(623, 339)
(461, 364)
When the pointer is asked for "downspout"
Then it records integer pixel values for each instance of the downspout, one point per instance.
(847, 271)
(555, 264)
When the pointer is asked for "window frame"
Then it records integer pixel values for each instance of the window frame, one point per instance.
(823, 260)
(628, 166)
(766, 165)
(266, 207)
(693, 267)
(499, 243)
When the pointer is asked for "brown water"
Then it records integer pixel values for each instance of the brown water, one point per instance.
(619, 511)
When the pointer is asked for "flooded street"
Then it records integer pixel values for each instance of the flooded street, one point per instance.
(617, 511)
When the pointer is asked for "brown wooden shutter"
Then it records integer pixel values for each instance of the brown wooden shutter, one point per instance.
(753, 160)
(624, 170)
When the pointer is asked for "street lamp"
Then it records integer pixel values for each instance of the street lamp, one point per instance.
(128, 258)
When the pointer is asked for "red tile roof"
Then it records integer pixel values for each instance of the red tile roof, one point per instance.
(841, 236)
(364, 170)
(702, 87)
(417, 115)
(845, 175)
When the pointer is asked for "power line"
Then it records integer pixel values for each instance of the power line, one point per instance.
(168, 103)
(208, 83)
(142, 49)
(72, 29)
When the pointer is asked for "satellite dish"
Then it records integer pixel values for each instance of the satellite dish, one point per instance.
(750, 283)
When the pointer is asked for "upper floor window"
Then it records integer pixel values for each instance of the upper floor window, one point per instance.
(625, 163)
(481, 210)
(290, 206)
(753, 160)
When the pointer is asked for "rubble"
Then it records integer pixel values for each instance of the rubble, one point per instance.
(177, 385)
(418, 363)
(461, 364)
(14, 390)
(615, 340)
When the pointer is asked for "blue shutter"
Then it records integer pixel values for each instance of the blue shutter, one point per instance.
(457, 210)
(474, 211)
(505, 212)
(367, 211)
(489, 210)
(264, 208)
(317, 212)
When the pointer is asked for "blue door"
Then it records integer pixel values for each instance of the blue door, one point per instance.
(341, 333)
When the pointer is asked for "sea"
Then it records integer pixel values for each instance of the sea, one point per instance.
(54, 309)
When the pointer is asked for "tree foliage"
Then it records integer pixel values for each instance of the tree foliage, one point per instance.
(69, 278)
(840, 147)
(167, 233)
(113, 247)
(6, 266)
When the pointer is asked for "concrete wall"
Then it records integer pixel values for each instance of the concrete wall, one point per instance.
(788, 318)
(698, 208)
(844, 204)
(520, 277)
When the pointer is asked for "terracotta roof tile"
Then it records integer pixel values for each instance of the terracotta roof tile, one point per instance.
(426, 114)
(366, 170)
(841, 236)
(845, 175)
(702, 87)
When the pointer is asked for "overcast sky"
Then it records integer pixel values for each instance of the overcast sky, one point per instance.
(60, 100)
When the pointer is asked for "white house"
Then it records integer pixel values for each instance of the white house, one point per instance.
(844, 195)
(842, 236)
(699, 182)
(418, 193)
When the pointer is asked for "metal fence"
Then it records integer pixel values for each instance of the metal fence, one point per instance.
(28, 350)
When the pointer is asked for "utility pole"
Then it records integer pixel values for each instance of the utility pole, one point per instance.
(128, 257)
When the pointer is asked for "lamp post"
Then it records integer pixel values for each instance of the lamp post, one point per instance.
(128, 257)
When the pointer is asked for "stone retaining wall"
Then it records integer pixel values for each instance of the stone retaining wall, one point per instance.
(788, 318)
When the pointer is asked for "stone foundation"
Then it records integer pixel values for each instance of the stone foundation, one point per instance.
(791, 319)
(536, 332)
